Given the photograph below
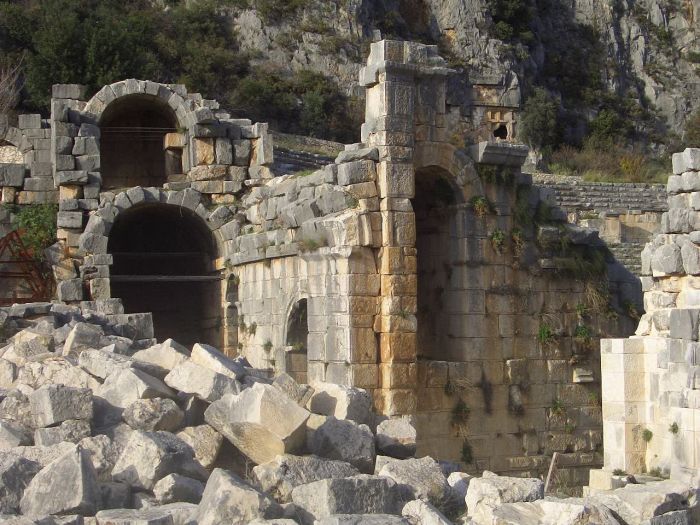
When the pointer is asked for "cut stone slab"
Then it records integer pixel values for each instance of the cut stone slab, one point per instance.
(205, 441)
(345, 440)
(55, 371)
(206, 384)
(103, 454)
(72, 431)
(299, 393)
(343, 402)
(361, 494)
(52, 404)
(13, 434)
(166, 356)
(83, 336)
(262, 422)
(551, 512)
(209, 357)
(281, 475)
(228, 499)
(363, 519)
(174, 487)
(171, 514)
(492, 490)
(418, 479)
(67, 485)
(123, 387)
(154, 414)
(419, 511)
(396, 438)
(102, 363)
(150, 456)
(16, 472)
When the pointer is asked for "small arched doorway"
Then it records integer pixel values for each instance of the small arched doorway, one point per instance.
(164, 263)
(132, 145)
(296, 359)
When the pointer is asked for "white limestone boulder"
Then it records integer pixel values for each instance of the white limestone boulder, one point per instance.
(491, 491)
(166, 355)
(262, 422)
(396, 438)
(342, 402)
(101, 363)
(175, 487)
(13, 434)
(418, 479)
(154, 414)
(205, 441)
(419, 511)
(206, 384)
(67, 485)
(125, 386)
(170, 514)
(72, 431)
(209, 357)
(281, 475)
(550, 512)
(228, 499)
(52, 404)
(345, 440)
(16, 472)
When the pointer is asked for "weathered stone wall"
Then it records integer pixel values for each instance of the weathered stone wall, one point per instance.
(649, 380)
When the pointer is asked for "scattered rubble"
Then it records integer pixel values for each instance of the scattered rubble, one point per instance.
(137, 432)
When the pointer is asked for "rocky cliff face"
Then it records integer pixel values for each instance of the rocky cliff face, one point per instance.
(640, 53)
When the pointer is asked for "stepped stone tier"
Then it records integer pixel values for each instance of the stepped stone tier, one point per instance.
(436, 278)
(650, 390)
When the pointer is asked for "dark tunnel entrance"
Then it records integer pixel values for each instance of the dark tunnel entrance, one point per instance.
(164, 264)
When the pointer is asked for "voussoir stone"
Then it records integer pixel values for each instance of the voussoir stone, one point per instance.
(228, 499)
(262, 422)
(67, 485)
(281, 475)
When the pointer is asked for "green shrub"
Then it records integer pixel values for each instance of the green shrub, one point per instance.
(545, 334)
(460, 413)
(692, 131)
(498, 239)
(647, 435)
(673, 428)
(539, 120)
(37, 225)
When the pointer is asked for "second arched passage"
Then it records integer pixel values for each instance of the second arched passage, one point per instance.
(164, 263)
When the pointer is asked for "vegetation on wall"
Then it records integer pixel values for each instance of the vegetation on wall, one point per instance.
(93, 42)
(36, 224)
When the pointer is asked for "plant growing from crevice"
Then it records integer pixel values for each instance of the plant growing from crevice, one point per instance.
(480, 205)
(518, 240)
(460, 414)
(450, 388)
(583, 336)
(467, 455)
(619, 472)
(545, 334)
(310, 244)
(581, 310)
(569, 427)
(647, 435)
(631, 310)
(498, 239)
(486, 391)
(557, 407)
(298, 347)
(267, 346)
(673, 428)
(252, 328)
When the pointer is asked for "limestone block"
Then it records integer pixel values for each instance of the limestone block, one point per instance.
(150, 456)
(16, 472)
(69, 91)
(229, 499)
(492, 490)
(459, 484)
(205, 441)
(683, 323)
(424, 513)
(52, 404)
(203, 150)
(103, 452)
(204, 383)
(561, 512)
(175, 487)
(102, 363)
(262, 422)
(70, 290)
(67, 485)
(363, 519)
(360, 494)
(262, 153)
(690, 254)
(207, 172)
(71, 177)
(281, 475)
(241, 152)
(341, 401)
(125, 386)
(358, 154)
(154, 414)
(395, 180)
(72, 431)
(209, 357)
(417, 479)
(396, 438)
(667, 260)
(356, 172)
(13, 434)
(170, 514)
(344, 440)
(174, 141)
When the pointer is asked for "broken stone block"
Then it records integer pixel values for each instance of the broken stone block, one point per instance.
(345, 440)
(83, 336)
(363, 519)
(561, 512)
(358, 154)
(57, 371)
(72, 431)
(341, 401)
(683, 323)
(171, 514)
(396, 438)
(67, 485)
(418, 479)
(103, 454)
(209, 357)
(16, 472)
(667, 260)
(229, 499)
(492, 490)
(125, 386)
(356, 172)
(205, 441)
(299, 393)
(102, 363)
(114, 495)
(281, 475)
(52, 404)
(361, 494)
(16, 407)
(153, 414)
(459, 483)
(13, 434)
(150, 456)
(165, 356)
(204, 383)
(8, 373)
(175, 487)
(422, 512)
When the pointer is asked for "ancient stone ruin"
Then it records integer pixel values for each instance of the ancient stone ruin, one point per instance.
(376, 337)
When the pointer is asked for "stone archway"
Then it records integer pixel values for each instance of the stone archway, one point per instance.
(163, 262)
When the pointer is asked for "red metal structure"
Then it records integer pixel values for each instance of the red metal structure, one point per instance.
(18, 263)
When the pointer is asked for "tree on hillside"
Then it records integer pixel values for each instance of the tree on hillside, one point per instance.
(539, 121)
